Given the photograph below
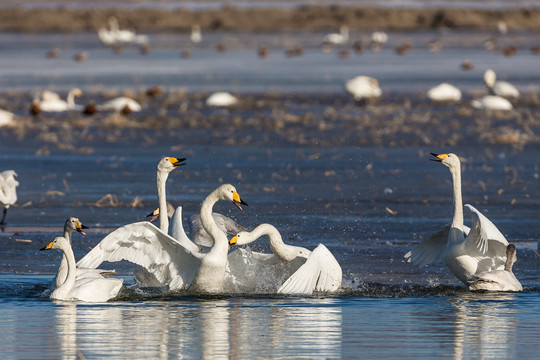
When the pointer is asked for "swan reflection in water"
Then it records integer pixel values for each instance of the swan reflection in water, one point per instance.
(235, 328)
(484, 326)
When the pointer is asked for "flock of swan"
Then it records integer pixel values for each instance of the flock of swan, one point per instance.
(365, 88)
(479, 255)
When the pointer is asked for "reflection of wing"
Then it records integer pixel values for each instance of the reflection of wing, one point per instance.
(144, 244)
(431, 249)
(320, 272)
(225, 224)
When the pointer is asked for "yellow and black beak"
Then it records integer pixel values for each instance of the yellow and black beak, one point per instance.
(79, 227)
(233, 240)
(439, 157)
(177, 161)
(153, 215)
(237, 201)
(48, 247)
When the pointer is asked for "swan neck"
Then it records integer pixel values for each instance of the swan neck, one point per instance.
(71, 99)
(67, 285)
(457, 221)
(221, 242)
(265, 229)
(162, 199)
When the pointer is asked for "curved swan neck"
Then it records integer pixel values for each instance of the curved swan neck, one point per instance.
(71, 99)
(67, 285)
(161, 178)
(221, 242)
(266, 229)
(457, 221)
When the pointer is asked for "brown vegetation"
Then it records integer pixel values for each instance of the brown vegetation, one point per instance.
(258, 19)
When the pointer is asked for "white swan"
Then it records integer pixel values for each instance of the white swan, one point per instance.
(499, 88)
(363, 87)
(338, 38)
(8, 191)
(89, 289)
(178, 264)
(71, 225)
(444, 92)
(465, 251)
(120, 104)
(52, 104)
(6, 118)
(221, 99)
(115, 35)
(196, 36)
(492, 102)
(308, 271)
(499, 280)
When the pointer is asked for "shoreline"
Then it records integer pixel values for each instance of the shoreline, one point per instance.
(267, 19)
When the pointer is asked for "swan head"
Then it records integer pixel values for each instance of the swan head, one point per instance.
(155, 214)
(228, 192)
(241, 238)
(73, 224)
(169, 163)
(511, 256)
(489, 78)
(449, 160)
(58, 243)
(76, 92)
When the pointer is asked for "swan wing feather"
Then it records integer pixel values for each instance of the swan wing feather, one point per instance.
(484, 235)
(146, 245)
(320, 272)
(430, 250)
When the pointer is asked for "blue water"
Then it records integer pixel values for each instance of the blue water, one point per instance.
(462, 326)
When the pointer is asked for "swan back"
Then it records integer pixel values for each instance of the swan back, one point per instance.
(221, 99)
(8, 188)
(492, 102)
(363, 87)
(444, 92)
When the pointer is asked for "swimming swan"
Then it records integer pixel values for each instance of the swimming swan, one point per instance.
(8, 191)
(465, 251)
(338, 38)
(363, 87)
(178, 264)
(120, 104)
(499, 88)
(492, 102)
(72, 225)
(51, 104)
(499, 280)
(444, 92)
(83, 289)
(6, 118)
(310, 271)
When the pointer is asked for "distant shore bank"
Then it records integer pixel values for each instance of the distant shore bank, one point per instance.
(272, 19)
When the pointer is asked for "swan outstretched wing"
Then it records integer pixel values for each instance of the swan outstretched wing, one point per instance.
(144, 244)
(320, 272)
(484, 236)
(430, 250)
